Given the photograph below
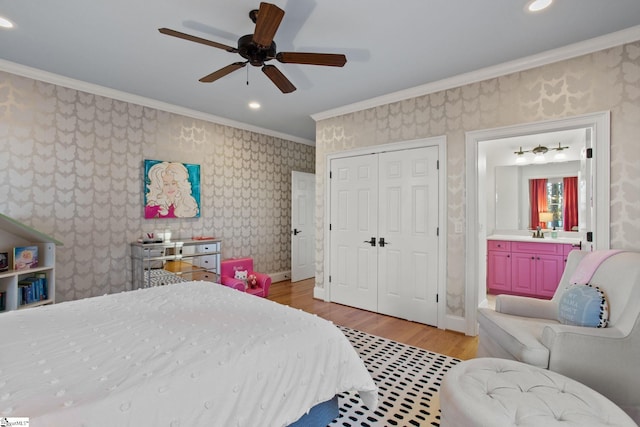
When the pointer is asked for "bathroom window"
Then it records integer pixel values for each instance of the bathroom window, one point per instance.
(554, 203)
(555, 199)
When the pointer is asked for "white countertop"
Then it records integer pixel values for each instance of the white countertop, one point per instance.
(547, 238)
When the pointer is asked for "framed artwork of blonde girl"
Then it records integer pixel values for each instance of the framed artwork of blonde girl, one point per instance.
(172, 189)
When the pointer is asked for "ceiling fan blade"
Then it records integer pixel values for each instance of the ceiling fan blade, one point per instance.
(189, 37)
(278, 79)
(269, 17)
(330, 59)
(222, 72)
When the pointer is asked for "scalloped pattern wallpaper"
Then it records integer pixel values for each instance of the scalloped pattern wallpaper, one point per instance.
(605, 80)
(71, 167)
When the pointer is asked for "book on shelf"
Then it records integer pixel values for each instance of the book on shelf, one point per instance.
(32, 289)
(25, 257)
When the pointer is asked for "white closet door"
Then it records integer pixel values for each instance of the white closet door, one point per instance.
(302, 225)
(408, 223)
(354, 220)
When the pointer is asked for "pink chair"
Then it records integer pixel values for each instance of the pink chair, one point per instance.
(228, 268)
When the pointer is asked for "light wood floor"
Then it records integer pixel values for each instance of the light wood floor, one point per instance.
(300, 295)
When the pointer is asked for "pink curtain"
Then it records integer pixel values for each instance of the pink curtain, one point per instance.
(537, 201)
(570, 208)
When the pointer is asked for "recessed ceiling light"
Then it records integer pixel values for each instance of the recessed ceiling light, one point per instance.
(5, 23)
(254, 105)
(538, 5)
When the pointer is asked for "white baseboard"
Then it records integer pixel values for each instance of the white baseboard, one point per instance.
(456, 323)
(318, 293)
(280, 276)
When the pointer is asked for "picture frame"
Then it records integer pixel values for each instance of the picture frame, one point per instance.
(4, 261)
(25, 257)
(171, 189)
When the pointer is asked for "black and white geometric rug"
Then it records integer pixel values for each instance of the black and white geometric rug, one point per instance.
(408, 380)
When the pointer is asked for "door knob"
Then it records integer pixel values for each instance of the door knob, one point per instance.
(381, 242)
(296, 231)
(372, 242)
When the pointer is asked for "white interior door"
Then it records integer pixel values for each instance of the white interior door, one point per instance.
(384, 245)
(302, 225)
(408, 222)
(354, 222)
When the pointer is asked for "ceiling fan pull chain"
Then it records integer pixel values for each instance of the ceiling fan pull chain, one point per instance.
(247, 76)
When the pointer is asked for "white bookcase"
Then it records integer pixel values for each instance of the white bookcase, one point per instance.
(15, 234)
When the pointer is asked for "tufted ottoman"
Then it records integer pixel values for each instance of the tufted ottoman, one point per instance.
(499, 392)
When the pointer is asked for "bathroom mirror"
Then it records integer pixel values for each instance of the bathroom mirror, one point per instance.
(513, 194)
(510, 165)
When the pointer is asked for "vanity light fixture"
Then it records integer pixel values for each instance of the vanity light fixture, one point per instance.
(538, 5)
(539, 153)
(539, 158)
(520, 159)
(560, 155)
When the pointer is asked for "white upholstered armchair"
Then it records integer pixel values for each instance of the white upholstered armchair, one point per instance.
(605, 359)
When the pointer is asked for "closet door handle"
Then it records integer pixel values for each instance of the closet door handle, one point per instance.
(372, 242)
(296, 231)
(381, 242)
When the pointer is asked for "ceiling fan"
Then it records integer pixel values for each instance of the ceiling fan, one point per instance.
(259, 48)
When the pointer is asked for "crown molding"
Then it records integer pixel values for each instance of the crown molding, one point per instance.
(617, 38)
(56, 79)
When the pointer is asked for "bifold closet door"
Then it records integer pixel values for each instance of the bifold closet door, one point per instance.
(384, 233)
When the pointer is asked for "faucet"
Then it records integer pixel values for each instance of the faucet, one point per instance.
(538, 234)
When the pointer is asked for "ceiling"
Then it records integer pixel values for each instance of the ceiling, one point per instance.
(115, 46)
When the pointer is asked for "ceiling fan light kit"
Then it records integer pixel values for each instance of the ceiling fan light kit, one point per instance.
(259, 48)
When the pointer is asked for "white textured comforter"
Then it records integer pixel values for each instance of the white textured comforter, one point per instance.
(184, 355)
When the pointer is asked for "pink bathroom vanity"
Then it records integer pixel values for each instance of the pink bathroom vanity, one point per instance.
(522, 265)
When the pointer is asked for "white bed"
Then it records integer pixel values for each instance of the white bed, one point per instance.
(189, 354)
